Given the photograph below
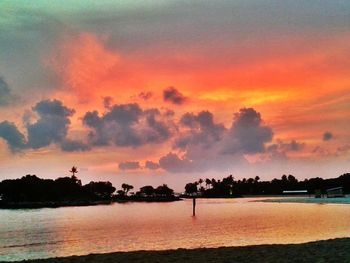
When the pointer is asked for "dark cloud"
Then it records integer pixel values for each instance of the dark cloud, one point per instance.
(201, 130)
(145, 95)
(52, 125)
(195, 160)
(152, 165)
(69, 145)
(281, 148)
(172, 95)
(292, 146)
(327, 136)
(107, 102)
(205, 145)
(127, 125)
(201, 144)
(14, 138)
(248, 134)
(172, 163)
(129, 165)
(5, 93)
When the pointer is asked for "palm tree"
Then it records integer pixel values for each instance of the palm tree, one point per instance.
(200, 181)
(127, 188)
(213, 182)
(256, 179)
(74, 170)
(207, 182)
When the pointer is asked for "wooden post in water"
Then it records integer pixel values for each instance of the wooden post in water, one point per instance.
(194, 206)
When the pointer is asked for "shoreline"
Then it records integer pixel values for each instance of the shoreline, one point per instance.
(332, 250)
(267, 199)
(51, 204)
(58, 204)
(308, 200)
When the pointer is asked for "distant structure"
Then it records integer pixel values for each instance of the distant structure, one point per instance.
(335, 192)
(295, 192)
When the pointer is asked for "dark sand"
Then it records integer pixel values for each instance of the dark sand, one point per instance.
(336, 250)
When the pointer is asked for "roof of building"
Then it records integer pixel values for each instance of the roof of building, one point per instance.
(335, 188)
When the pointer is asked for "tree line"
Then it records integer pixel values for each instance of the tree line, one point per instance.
(31, 188)
(146, 191)
(228, 186)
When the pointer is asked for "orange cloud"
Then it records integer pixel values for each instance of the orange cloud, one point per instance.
(84, 65)
(292, 86)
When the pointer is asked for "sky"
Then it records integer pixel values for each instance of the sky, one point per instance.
(152, 92)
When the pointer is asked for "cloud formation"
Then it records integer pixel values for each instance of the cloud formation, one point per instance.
(145, 95)
(14, 138)
(127, 125)
(129, 165)
(327, 136)
(207, 145)
(198, 142)
(52, 125)
(107, 102)
(199, 130)
(281, 149)
(152, 165)
(174, 96)
(174, 164)
(5, 93)
(247, 134)
(68, 145)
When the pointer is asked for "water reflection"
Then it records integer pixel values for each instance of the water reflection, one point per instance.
(134, 226)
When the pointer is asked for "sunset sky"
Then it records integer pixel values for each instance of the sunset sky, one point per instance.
(150, 92)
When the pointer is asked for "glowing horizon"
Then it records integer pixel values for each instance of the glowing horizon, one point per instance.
(197, 89)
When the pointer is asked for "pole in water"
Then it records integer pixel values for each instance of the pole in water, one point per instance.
(194, 206)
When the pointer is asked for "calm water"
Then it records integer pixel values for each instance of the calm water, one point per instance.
(67, 231)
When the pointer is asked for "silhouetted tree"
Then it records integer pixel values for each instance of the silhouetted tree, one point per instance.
(191, 188)
(213, 182)
(74, 170)
(200, 181)
(148, 190)
(30, 188)
(120, 193)
(207, 182)
(164, 190)
(100, 190)
(245, 186)
(127, 188)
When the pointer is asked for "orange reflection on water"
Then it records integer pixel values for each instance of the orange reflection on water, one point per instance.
(157, 226)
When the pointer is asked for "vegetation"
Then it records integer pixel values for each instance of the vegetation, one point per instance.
(31, 191)
(228, 187)
(214, 188)
(126, 188)
(147, 193)
(30, 188)
(70, 191)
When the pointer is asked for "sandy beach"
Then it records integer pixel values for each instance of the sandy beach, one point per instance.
(335, 250)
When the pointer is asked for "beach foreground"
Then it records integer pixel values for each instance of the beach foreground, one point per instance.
(334, 250)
